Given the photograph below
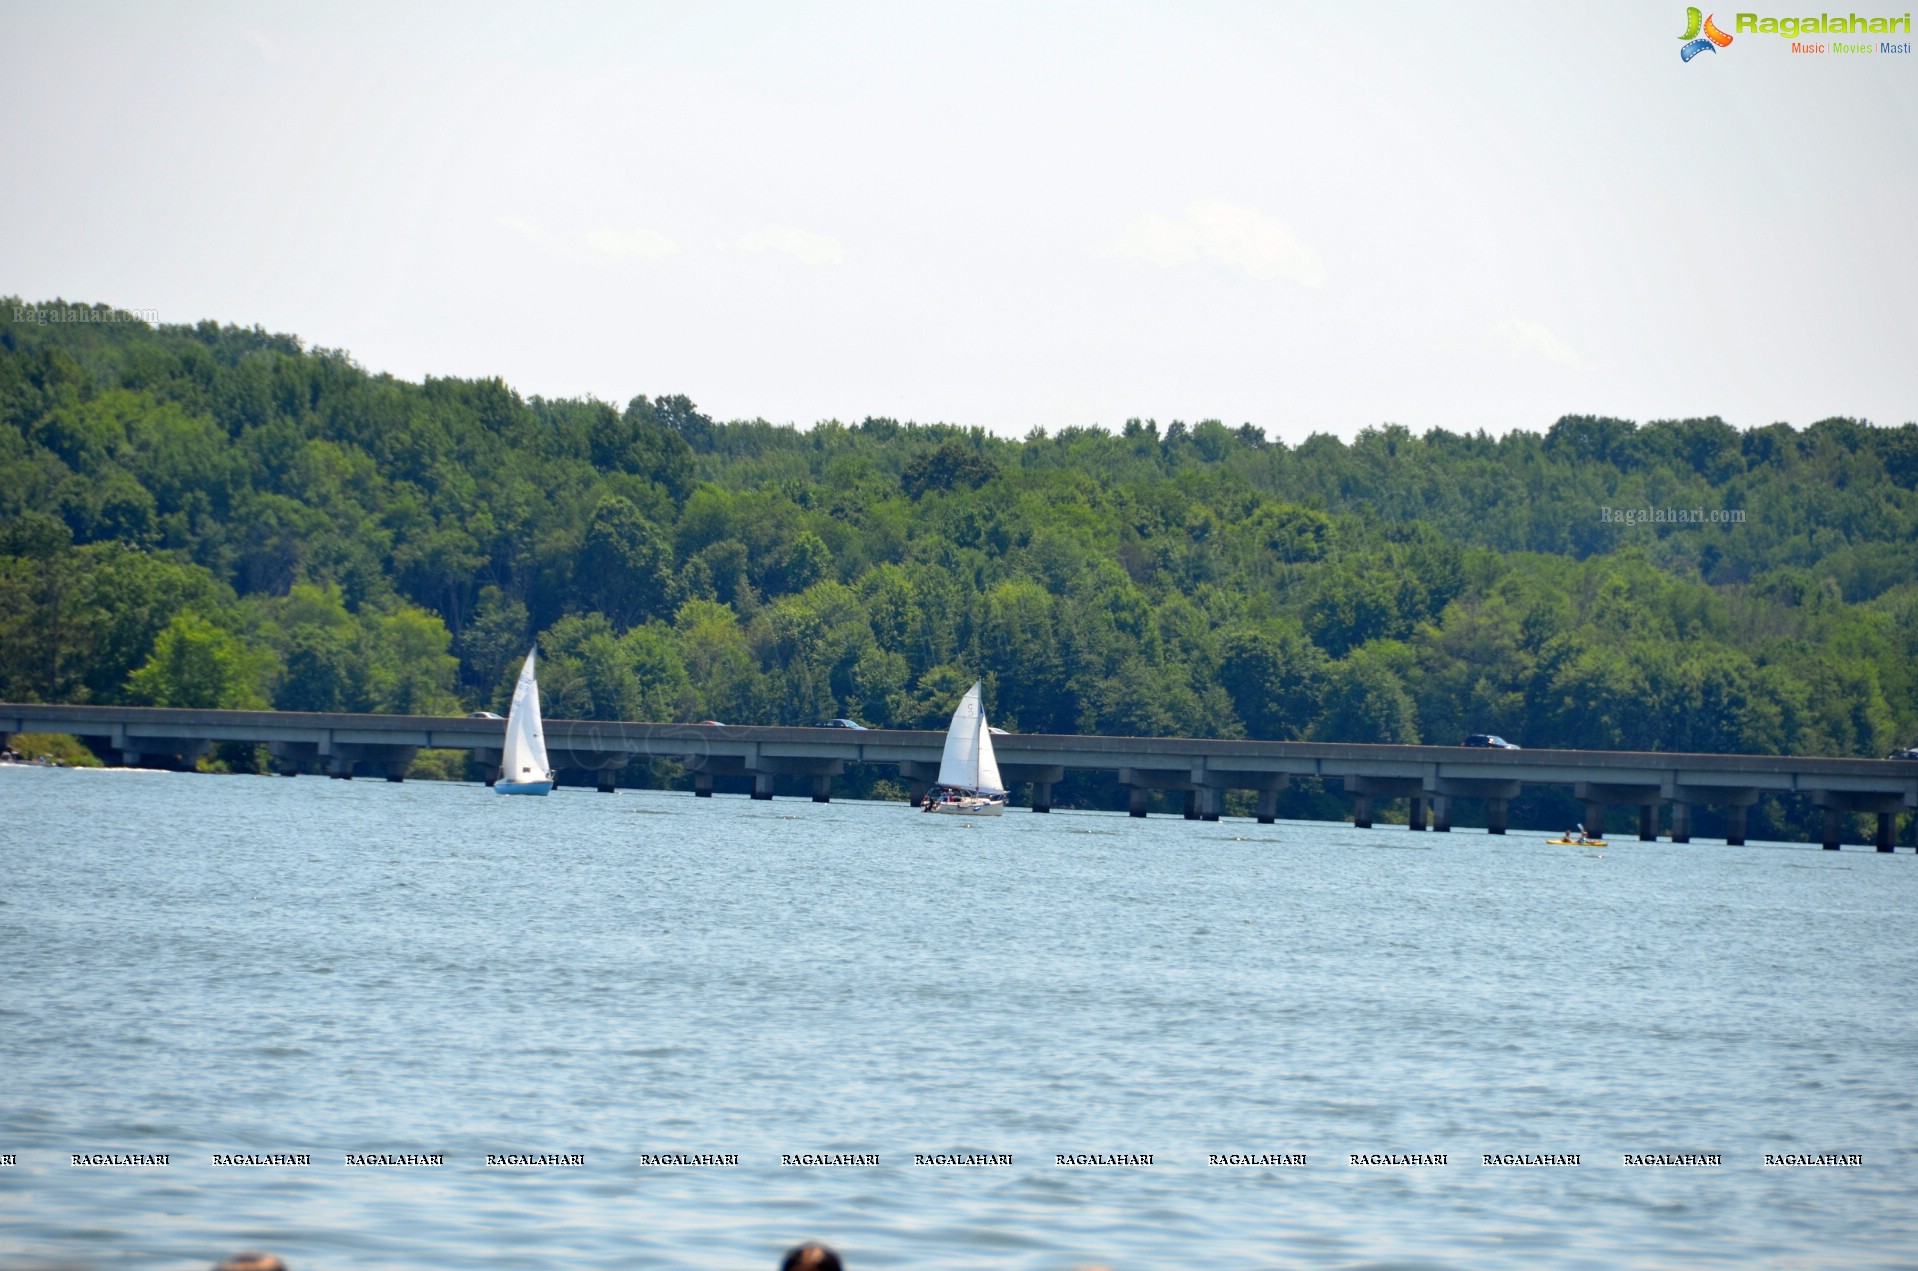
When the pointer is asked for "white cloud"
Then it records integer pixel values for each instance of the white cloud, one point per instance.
(524, 228)
(813, 249)
(268, 47)
(1249, 241)
(642, 244)
(1529, 339)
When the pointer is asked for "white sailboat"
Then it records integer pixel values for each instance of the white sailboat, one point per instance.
(969, 783)
(523, 765)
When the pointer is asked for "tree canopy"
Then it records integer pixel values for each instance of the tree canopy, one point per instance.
(213, 515)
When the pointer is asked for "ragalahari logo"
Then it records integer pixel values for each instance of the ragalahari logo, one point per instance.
(1711, 41)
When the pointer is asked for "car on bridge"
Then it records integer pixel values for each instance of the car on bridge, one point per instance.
(1489, 741)
(844, 723)
(1909, 752)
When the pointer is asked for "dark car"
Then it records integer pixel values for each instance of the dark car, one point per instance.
(1490, 741)
(1908, 753)
(844, 723)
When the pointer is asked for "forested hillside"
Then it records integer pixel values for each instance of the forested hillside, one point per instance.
(214, 516)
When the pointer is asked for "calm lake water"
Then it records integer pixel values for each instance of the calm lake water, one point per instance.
(200, 965)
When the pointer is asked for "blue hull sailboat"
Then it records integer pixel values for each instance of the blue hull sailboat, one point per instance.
(523, 765)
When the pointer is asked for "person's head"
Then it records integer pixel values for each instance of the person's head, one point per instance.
(252, 1262)
(810, 1256)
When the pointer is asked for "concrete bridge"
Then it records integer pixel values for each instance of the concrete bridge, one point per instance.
(1430, 778)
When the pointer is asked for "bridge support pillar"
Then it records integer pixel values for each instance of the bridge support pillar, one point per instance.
(763, 786)
(702, 785)
(1268, 806)
(1191, 805)
(1494, 794)
(1837, 803)
(1594, 820)
(1687, 796)
(1365, 788)
(1648, 823)
(1040, 776)
(917, 790)
(186, 754)
(1211, 803)
(822, 789)
(1136, 798)
(396, 772)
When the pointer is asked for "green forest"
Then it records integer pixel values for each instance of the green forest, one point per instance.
(215, 516)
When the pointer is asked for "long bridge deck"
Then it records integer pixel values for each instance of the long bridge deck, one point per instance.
(1428, 777)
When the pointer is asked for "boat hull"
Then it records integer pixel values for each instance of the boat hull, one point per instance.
(523, 787)
(967, 807)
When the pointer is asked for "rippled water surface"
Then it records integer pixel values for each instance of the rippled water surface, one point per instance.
(199, 965)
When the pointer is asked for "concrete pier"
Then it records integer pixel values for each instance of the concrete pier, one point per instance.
(1040, 777)
(1735, 825)
(1364, 787)
(1836, 803)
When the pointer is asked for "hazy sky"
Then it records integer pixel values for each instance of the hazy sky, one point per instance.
(1312, 218)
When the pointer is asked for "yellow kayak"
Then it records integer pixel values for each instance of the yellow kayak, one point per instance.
(1577, 843)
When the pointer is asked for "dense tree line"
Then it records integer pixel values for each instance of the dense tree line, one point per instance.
(215, 516)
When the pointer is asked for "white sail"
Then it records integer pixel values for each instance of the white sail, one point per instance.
(989, 782)
(524, 759)
(967, 763)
